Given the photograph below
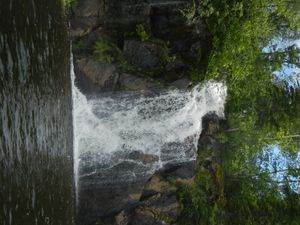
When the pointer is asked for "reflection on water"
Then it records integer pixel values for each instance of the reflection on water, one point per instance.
(35, 114)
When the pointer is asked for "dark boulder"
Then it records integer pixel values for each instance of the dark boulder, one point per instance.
(210, 124)
(89, 8)
(143, 157)
(98, 34)
(122, 218)
(136, 83)
(166, 20)
(103, 75)
(125, 14)
(195, 49)
(174, 70)
(158, 203)
(143, 216)
(183, 83)
(81, 26)
(179, 172)
(86, 16)
(145, 55)
(106, 201)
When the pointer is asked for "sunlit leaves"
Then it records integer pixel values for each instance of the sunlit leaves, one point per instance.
(261, 111)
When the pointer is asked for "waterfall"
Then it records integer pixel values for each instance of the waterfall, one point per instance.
(75, 92)
(126, 135)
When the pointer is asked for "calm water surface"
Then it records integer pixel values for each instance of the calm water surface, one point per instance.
(35, 114)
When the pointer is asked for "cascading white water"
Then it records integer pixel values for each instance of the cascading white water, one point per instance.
(75, 92)
(125, 136)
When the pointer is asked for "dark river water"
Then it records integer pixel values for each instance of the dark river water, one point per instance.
(36, 137)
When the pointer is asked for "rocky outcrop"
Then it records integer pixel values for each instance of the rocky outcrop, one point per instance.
(86, 15)
(183, 83)
(145, 55)
(175, 70)
(142, 157)
(160, 60)
(103, 75)
(145, 200)
(167, 53)
(137, 83)
(108, 199)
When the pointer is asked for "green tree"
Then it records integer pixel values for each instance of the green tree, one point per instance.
(261, 110)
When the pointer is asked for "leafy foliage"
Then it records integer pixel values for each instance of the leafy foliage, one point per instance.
(69, 3)
(141, 32)
(78, 45)
(261, 112)
(240, 30)
(166, 56)
(143, 35)
(110, 53)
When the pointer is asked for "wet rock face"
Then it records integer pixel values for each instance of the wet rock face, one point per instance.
(181, 172)
(82, 26)
(183, 83)
(208, 142)
(146, 200)
(145, 55)
(170, 37)
(89, 8)
(175, 70)
(166, 19)
(158, 203)
(101, 203)
(127, 13)
(86, 15)
(135, 83)
(104, 75)
(144, 158)
(210, 124)
(151, 199)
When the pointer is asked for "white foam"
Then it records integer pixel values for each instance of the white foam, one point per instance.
(167, 126)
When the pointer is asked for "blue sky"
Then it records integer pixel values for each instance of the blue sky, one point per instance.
(288, 72)
(272, 159)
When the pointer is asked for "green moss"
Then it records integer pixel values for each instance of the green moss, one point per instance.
(180, 32)
(141, 32)
(196, 74)
(78, 45)
(110, 53)
(138, 31)
(69, 3)
(166, 57)
(203, 201)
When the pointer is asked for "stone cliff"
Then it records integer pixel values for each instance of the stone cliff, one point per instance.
(145, 46)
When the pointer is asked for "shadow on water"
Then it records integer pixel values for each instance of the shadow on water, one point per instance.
(35, 114)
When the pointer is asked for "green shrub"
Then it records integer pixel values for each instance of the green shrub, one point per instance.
(105, 52)
(141, 32)
(78, 45)
(69, 3)
(166, 57)
(110, 53)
